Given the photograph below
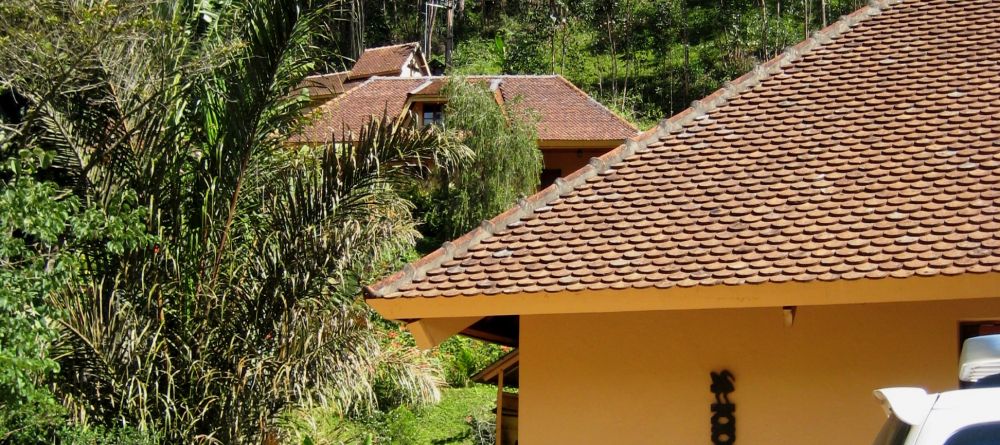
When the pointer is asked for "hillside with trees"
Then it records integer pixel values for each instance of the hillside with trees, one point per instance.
(645, 58)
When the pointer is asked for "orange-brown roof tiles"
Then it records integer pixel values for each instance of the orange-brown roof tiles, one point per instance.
(564, 112)
(375, 98)
(383, 61)
(869, 151)
(326, 84)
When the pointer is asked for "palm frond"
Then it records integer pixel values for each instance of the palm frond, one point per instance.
(243, 304)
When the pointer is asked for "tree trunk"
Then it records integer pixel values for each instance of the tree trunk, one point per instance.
(552, 36)
(450, 44)
(805, 19)
(562, 62)
(687, 51)
(357, 28)
(629, 52)
(670, 81)
(764, 53)
(614, 60)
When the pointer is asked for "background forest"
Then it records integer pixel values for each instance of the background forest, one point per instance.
(644, 58)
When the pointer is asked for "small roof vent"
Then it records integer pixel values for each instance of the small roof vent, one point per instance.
(980, 358)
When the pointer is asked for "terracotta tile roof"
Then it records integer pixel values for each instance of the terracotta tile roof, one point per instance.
(383, 61)
(565, 112)
(327, 84)
(375, 97)
(870, 151)
(433, 88)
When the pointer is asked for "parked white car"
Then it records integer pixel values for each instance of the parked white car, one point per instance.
(968, 416)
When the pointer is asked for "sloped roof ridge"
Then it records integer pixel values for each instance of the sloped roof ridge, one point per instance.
(333, 101)
(394, 45)
(473, 76)
(513, 76)
(312, 76)
(599, 165)
(595, 101)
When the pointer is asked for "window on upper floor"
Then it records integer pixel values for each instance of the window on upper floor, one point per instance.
(433, 114)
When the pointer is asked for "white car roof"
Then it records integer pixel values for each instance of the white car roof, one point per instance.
(938, 416)
(970, 399)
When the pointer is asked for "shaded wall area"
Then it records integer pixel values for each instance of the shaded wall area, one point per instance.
(560, 162)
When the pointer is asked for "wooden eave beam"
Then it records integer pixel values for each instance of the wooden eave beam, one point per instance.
(430, 332)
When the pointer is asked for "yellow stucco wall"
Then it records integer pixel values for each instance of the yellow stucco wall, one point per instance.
(643, 377)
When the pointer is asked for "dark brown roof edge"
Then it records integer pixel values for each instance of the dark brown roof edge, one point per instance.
(393, 72)
(607, 161)
(321, 76)
(394, 45)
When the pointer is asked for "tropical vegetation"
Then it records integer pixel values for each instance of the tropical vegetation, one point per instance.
(505, 162)
(645, 58)
(198, 275)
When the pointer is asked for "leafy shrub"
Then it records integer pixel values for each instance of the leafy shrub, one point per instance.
(505, 165)
(42, 230)
(456, 420)
(462, 357)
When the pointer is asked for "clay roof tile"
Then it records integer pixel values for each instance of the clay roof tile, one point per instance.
(779, 177)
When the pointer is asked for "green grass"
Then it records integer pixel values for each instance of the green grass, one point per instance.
(448, 418)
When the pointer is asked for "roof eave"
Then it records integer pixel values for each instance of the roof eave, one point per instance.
(720, 296)
(563, 143)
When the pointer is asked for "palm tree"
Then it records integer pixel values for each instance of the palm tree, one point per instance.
(237, 296)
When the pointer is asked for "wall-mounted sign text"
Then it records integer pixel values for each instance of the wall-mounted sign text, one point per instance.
(723, 417)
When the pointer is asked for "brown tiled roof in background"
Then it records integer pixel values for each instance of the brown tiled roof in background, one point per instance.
(326, 84)
(376, 97)
(869, 151)
(565, 112)
(382, 61)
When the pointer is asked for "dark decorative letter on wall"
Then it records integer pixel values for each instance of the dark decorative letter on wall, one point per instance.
(723, 419)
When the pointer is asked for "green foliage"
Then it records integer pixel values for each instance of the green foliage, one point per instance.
(75, 435)
(214, 270)
(463, 357)
(461, 418)
(522, 41)
(43, 232)
(505, 164)
(482, 429)
(479, 55)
